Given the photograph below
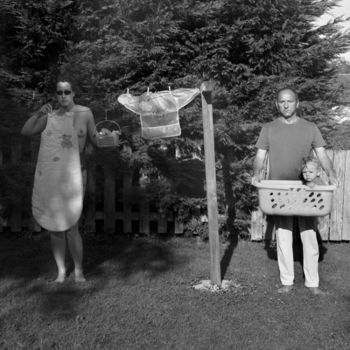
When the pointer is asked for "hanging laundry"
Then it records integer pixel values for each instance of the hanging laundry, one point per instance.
(159, 111)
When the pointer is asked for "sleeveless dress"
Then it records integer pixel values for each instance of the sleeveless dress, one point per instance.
(57, 198)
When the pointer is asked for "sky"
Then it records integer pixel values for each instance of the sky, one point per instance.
(343, 9)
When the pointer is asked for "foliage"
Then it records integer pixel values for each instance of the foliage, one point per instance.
(16, 183)
(33, 40)
(249, 49)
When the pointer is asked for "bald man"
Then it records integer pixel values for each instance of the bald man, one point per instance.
(287, 140)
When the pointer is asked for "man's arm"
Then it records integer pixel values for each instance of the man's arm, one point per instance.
(258, 165)
(37, 122)
(327, 165)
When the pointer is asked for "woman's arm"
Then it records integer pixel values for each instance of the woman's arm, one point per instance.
(37, 122)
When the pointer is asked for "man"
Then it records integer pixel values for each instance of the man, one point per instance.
(287, 140)
(60, 174)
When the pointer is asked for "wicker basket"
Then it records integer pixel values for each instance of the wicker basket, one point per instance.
(288, 198)
(107, 133)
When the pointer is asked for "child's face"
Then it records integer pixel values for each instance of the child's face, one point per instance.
(310, 172)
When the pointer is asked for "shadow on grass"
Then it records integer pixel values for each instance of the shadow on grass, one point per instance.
(23, 258)
(27, 269)
(232, 239)
(60, 302)
(29, 259)
(131, 256)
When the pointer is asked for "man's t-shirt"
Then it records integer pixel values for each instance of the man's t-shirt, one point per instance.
(287, 145)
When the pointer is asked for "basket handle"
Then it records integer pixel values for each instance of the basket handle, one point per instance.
(109, 121)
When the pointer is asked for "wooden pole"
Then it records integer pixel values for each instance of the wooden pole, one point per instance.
(210, 175)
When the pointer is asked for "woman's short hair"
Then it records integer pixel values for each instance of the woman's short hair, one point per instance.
(63, 79)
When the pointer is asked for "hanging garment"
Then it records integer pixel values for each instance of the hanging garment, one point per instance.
(159, 111)
(57, 198)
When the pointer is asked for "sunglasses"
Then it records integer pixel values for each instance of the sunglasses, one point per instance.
(61, 92)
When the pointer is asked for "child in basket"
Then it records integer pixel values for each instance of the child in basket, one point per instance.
(311, 172)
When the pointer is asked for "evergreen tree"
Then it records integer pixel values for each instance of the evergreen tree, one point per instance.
(33, 40)
(248, 48)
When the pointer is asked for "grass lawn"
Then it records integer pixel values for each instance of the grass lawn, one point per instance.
(139, 295)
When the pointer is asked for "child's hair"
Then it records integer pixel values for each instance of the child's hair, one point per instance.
(313, 160)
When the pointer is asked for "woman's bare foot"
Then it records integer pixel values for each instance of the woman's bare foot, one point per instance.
(79, 276)
(60, 277)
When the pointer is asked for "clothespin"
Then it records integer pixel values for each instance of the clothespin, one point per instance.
(148, 90)
(170, 90)
(127, 91)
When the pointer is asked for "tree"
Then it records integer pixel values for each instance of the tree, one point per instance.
(248, 48)
(33, 40)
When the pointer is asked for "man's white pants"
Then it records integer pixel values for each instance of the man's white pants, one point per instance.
(284, 238)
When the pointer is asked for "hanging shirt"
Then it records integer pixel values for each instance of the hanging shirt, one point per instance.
(159, 111)
(57, 198)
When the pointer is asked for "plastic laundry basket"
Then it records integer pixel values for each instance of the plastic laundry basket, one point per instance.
(109, 139)
(287, 198)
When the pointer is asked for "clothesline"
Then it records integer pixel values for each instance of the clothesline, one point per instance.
(109, 104)
(158, 94)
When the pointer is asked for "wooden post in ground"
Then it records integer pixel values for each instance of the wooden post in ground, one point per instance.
(210, 174)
